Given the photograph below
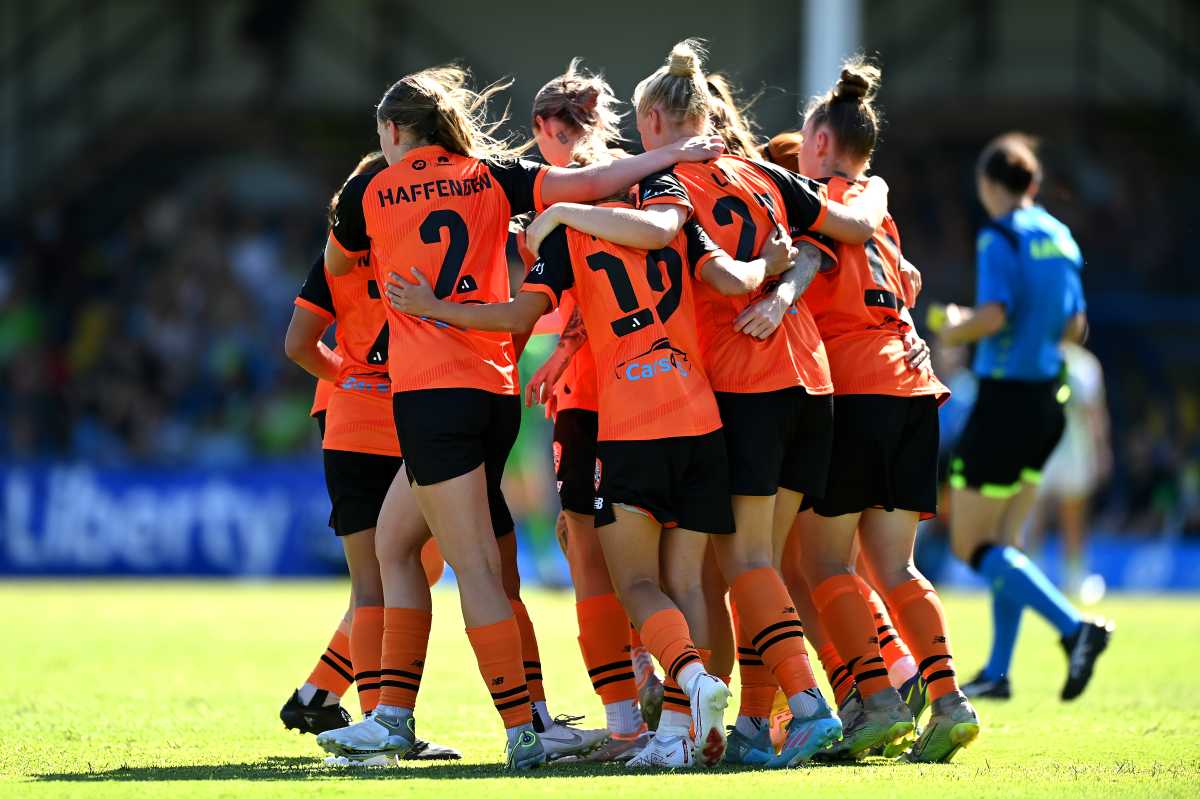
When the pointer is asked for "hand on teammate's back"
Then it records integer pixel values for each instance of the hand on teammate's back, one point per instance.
(409, 297)
(778, 252)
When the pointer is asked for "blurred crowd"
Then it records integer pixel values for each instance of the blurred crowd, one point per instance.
(161, 343)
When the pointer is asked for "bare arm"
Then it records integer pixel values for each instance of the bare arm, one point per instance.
(966, 325)
(573, 335)
(649, 228)
(336, 261)
(853, 223)
(1077, 329)
(732, 277)
(304, 347)
(762, 318)
(598, 181)
(516, 316)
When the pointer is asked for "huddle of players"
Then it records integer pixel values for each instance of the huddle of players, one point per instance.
(736, 354)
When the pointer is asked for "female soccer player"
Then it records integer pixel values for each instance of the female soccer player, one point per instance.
(772, 392)
(1029, 298)
(361, 459)
(883, 474)
(442, 206)
(660, 458)
(575, 122)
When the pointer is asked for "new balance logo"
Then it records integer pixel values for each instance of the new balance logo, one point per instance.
(789, 609)
(939, 639)
(498, 681)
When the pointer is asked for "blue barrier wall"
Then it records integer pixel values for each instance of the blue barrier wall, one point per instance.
(269, 520)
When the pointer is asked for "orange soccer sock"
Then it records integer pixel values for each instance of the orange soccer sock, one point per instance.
(531, 658)
(334, 671)
(758, 686)
(919, 613)
(366, 651)
(896, 657)
(498, 651)
(668, 638)
(405, 641)
(769, 619)
(605, 645)
(840, 679)
(847, 621)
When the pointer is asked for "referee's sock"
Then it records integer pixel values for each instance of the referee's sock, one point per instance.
(1017, 579)
(1006, 622)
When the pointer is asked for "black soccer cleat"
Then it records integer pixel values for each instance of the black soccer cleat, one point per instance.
(984, 687)
(313, 718)
(1083, 648)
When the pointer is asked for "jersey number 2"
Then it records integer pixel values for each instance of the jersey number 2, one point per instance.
(456, 252)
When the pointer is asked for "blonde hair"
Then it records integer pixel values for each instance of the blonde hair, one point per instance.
(731, 118)
(678, 86)
(436, 105)
(849, 108)
(586, 103)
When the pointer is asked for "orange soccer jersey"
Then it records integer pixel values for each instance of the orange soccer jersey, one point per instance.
(638, 310)
(321, 397)
(740, 203)
(359, 409)
(447, 215)
(857, 299)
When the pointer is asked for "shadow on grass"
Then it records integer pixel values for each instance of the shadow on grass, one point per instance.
(307, 768)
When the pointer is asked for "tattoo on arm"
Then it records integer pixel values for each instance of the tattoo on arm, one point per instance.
(805, 266)
(574, 333)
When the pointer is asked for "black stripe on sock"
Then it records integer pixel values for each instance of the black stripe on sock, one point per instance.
(939, 675)
(398, 673)
(929, 661)
(368, 686)
(887, 639)
(747, 650)
(780, 637)
(870, 675)
(515, 703)
(837, 682)
(678, 662)
(608, 667)
(510, 692)
(746, 663)
(533, 676)
(612, 678)
(779, 625)
(681, 661)
(408, 686)
(884, 628)
(533, 664)
(670, 689)
(328, 661)
(339, 656)
(670, 700)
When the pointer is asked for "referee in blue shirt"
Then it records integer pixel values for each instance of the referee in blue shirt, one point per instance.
(1029, 298)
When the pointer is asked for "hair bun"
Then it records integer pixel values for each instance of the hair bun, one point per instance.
(682, 64)
(588, 97)
(852, 86)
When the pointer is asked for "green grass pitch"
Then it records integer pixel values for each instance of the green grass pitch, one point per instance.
(172, 689)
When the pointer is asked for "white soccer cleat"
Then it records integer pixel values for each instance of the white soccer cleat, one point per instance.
(563, 739)
(665, 751)
(709, 696)
(373, 735)
(341, 761)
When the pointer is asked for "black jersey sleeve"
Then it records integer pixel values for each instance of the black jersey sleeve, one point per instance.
(315, 294)
(700, 246)
(551, 273)
(803, 198)
(521, 181)
(349, 229)
(663, 188)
